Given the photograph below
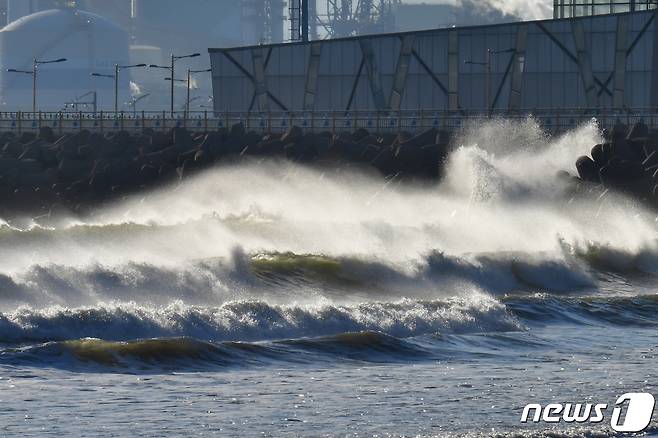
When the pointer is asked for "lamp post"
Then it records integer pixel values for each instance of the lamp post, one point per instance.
(115, 76)
(487, 69)
(135, 100)
(189, 86)
(33, 72)
(173, 81)
(210, 99)
(78, 101)
(172, 70)
(194, 99)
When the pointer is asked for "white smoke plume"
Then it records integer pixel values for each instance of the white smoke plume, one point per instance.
(523, 9)
(135, 89)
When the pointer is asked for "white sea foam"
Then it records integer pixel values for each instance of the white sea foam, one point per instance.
(255, 320)
(499, 221)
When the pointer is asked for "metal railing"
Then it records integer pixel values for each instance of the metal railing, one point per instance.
(551, 120)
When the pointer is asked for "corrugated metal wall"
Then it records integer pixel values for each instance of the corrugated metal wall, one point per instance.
(592, 62)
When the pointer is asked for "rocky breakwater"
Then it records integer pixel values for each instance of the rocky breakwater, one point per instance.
(626, 162)
(43, 173)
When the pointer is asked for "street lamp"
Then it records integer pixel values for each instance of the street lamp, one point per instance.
(33, 72)
(210, 99)
(194, 99)
(78, 101)
(172, 70)
(189, 86)
(487, 68)
(173, 81)
(189, 82)
(135, 100)
(115, 76)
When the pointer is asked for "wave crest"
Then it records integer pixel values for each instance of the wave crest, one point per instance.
(255, 320)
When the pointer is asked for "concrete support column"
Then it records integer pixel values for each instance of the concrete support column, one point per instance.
(260, 83)
(374, 78)
(312, 76)
(401, 71)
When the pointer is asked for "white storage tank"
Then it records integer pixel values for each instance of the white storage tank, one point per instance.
(89, 42)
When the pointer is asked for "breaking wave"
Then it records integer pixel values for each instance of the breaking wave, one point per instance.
(186, 353)
(255, 320)
(272, 254)
(256, 334)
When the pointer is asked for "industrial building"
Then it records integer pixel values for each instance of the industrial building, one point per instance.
(595, 54)
(584, 8)
(589, 63)
(94, 35)
(151, 30)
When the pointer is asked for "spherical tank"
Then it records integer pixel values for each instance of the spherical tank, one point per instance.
(90, 44)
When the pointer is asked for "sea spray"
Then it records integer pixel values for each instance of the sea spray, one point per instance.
(274, 250)
(496, 196)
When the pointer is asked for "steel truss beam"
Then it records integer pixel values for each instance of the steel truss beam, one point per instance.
(251, 78)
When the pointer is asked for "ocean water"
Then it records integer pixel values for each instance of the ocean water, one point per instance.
(271, 299)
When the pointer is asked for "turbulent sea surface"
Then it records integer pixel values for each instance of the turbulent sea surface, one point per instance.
(270, 299)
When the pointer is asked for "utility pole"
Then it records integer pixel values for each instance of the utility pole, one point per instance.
(135, 100)
(78, 101)
(116, 89)
(172, 69)
(117, 69)
(188, 83)
(34, 87)
(189, 86)
(173, 75)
